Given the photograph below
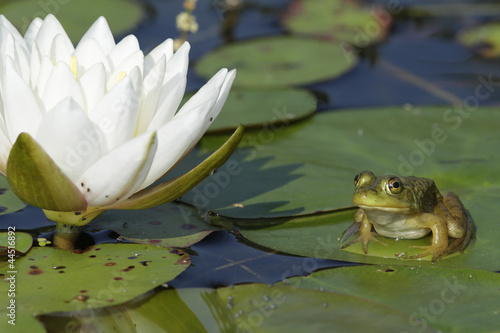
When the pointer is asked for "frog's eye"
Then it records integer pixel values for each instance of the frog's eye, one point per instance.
(394, 186)
(363, 178)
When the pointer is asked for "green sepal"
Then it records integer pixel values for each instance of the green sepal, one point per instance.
(37, 180)
(173, 189)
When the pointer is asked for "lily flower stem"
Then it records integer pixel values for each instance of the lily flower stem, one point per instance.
(66, 235)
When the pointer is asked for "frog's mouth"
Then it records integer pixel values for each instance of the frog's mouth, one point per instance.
(401, 210)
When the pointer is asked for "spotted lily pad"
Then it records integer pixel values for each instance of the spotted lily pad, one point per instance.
(76, 16)
(263, 108)
(279, 61)
(20, 242)
(9, 202)
(52, 280)
(484, 39)
(339, 20)
(309, 167)
(168, 225)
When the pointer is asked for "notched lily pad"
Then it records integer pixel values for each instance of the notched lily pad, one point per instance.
(21, 242)
(338, 20)
(52, 280)
(484, 39)
(76, 16)
(168, 225)
(279, 61)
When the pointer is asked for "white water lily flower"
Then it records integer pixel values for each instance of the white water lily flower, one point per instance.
(105, 114)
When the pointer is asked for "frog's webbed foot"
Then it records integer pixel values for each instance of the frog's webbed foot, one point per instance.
(363, 237)
(437, 252)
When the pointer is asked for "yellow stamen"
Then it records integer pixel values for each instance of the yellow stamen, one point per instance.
(121, 76)
(74, 67)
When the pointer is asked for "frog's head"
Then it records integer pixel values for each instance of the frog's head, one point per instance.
(387, 193)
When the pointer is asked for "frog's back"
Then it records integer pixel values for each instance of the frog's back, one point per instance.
(425, 192)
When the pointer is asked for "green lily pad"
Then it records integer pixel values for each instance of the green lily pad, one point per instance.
(22, 322)
(9, 202)
(339, 20)
(76, 16)
(484, 39)
(168, 225)
(259, 108)
(317, 236)
(446, 300)
(309, 167)
(21, 242)
(52, 280)
(279, 61)
(169, 310)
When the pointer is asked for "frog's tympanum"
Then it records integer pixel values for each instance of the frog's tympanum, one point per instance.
(409, 207)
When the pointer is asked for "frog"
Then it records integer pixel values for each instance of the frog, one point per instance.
(408, 207)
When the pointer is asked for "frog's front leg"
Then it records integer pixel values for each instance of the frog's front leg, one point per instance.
(365, 233)
(439, 229)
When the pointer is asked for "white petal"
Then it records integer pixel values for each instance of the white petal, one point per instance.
(168, 102)
(17, 36)
(122, 51)
(62, 49)
(164, 49)
(100, 32)
(207, 95)
(93, 83)
(179, 62)
(49, 29)
(88, 53)
(174, 140)
(117, 175)
(136, 59)
(46, 68)
(116, 114)
(5, 147)
(152, 86)
(35, 64)
(60, 85)
(70, 138)
(30, 35)
(22, 113)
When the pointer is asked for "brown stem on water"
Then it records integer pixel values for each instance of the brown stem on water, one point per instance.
(66, 235)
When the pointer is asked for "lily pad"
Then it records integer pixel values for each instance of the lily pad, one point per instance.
(9, 202)
(484, 39)
(168, 225)
(52, 280)
(445, 300)
(309, 167)
(279, 61)
(21, 242)
(320, 234)
(339, 20)
(259, 108)
(76, 16)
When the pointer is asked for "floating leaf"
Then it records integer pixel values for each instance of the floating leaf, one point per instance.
(446, 300)
(76, 16)
(19, 241)
(168, 225)
(319, 238)
(9, 202)
(339, 20)
(310, 166)
(279, 61)
(259, 108)
(484, 39)
(52, 280)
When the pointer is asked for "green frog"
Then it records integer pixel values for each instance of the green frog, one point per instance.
(409, 208)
